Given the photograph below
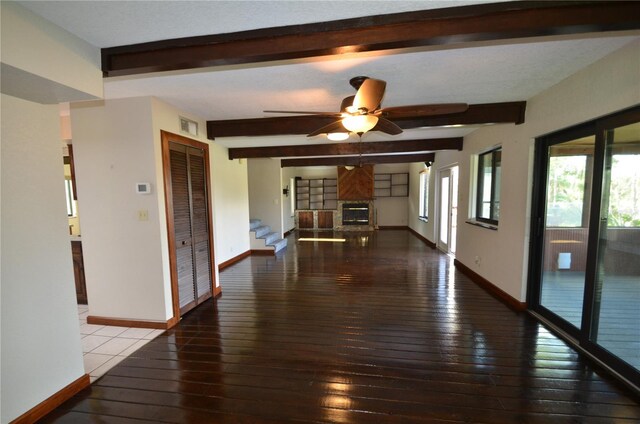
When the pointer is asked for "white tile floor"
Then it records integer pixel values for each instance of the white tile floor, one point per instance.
(103, 346)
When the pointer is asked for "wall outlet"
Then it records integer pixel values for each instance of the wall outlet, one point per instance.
(143, 215)
(477, 260)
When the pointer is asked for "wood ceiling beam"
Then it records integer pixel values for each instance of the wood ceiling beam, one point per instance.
(488, 113)
(496, 21)
(400, 146)
(357, 160)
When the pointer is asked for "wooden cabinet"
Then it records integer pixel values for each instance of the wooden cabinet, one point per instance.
(315, 220)
(78, 272)
(325, 220)
(305, 219)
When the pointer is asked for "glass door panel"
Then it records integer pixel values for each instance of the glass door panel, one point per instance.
(566, 227)
(443, 239)
(615, 323)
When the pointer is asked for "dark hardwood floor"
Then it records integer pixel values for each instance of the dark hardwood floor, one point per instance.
(380, 329)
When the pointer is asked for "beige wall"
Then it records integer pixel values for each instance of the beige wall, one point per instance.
(288, 219)
(116, 144)
(606, 86)
(123, 258)
(43, 60)
(230, 204)
(41, 351)
(392, 211)
(265, 193)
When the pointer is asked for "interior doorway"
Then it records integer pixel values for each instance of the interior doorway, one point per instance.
(447, 209)
(189, 224)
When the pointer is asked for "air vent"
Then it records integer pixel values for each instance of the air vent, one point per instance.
(188, 126)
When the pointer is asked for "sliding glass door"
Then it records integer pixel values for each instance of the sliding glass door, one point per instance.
(584, 269)
(566, 228)
(615, 323)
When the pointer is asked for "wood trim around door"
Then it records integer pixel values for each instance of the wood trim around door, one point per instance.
(168, 137)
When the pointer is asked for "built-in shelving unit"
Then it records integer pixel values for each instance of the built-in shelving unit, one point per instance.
(391, 185)
(318, 193)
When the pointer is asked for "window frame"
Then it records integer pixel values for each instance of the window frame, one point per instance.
(479, 186)
(423, 201)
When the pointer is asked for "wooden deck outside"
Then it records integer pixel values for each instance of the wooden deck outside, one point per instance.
(380, 329)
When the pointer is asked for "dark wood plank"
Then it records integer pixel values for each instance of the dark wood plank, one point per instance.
(358, 160)
(508, 112)
(447, 26)
(427, 145)
(355, 184)
(379, 329)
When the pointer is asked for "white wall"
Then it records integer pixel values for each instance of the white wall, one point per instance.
(310, 172)
(265, 192)
(425, 229)
(606, 86)
(392, 211)
(230, 204)
(43, 61)
(41, 351)
(123, 257)
(288, 218)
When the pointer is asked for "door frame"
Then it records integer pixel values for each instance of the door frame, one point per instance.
(437, 206)
(579, 337)
(167, 138)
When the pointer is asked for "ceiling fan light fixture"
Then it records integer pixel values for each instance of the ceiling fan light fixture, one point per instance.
(349, 167)
(360, 123)
(338, 136)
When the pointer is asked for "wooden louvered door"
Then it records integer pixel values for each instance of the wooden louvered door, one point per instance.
(189, 223)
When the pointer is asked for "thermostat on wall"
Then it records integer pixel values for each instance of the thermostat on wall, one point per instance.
(143, 188)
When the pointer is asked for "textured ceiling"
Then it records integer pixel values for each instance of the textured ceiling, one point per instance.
(473, 73)
(115, 23)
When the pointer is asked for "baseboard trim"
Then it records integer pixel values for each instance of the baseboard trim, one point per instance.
(171, 323)
(423, 238)
(53, 401)
(491, 288)
(119, 322)
(393, 227)
(289, 232)
(227, 264)
(263, 252)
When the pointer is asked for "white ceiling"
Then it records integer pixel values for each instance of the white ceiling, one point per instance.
(475, 73)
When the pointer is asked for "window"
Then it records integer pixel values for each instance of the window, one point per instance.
(424, 195)
(568, 177)
(488, 186)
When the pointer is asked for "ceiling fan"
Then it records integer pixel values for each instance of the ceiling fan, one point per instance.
(363, 112)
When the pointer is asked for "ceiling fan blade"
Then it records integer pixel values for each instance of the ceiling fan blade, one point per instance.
(369, 95)
(422, 110)
(387, 126)
(301, 112)
(333, 127)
